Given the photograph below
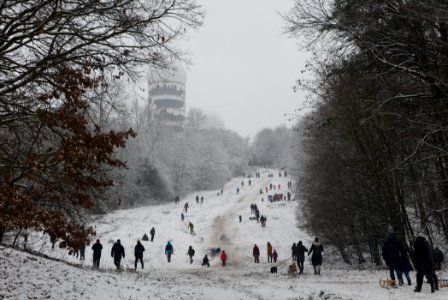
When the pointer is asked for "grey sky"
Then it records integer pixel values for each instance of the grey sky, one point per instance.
(244, 67)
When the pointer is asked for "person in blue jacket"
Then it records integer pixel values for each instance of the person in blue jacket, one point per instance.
(169, 250)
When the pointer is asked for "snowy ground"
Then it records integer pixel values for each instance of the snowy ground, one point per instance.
(25, 276)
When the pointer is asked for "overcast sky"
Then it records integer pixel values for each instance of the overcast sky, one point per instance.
(243, 67)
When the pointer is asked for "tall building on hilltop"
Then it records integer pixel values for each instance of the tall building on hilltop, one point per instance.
(166, 95)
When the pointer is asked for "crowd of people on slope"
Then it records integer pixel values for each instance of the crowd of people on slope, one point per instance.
(426, 261)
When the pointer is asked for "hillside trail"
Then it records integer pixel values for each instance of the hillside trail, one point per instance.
(222, 233)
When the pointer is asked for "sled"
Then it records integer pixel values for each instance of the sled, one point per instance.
(388, 283)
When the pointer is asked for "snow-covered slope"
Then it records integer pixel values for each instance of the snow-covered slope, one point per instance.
(25, 276)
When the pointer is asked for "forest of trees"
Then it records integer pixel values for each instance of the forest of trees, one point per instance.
(374, 154)
(57, 60)
(163, 162)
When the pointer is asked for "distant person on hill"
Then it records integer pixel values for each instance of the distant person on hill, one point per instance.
(256, 253)
(97, 247)
(237, 190)
(269, 251)
(152, 232)
(138, 253)
(293, 251)
(275, 255)
(191, 227)
(190, 253)
(240, 218)
(169, 250)
(186, 207)
(316, 259)
(82, 252)
(117, 253)
(182, 216)
(202, 199)
(300, 255)
(223, 258)
(197, 199)
(205, 261)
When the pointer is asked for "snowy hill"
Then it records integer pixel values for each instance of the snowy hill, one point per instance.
(216, 224)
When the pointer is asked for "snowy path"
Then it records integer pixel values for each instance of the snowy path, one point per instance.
(24, 276)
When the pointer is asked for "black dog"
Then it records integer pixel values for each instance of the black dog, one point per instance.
(274, 270)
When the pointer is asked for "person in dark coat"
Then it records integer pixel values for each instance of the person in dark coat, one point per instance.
(97, 247)
(300, 255)
(190, 253)
(316, 259)
(391, 250)
(405, 266)
(138, 253)
(82, 252)
(256, 253)
(438, 259)
(169, 251)
(293, 251)
(152, 232)
(205, 261)
(424, 263)
(117, 253)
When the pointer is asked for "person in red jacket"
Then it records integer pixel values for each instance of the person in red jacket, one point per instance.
(223, 258)
(256, 253)
(274, 255)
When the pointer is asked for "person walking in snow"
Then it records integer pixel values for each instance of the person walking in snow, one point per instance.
(405, 265)
(197, 199)
(82, 252)
(152, 232)
(138, 253)
(300, 255)
(186, 207)
(250, 182)
(438, 258)
(223, 258)
(424, 263)
(97, 247)
(237, 190)
(190, 253)
(293, 251)
(269, 251)
(202, 199)
(191, 227)
(391, 251)
(182, 216)
(316, 259)
(289, 196)
(240, 218)
(205, 261)
(256, 253)
(274, 255)
(169, 250)
(117, 253)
